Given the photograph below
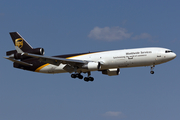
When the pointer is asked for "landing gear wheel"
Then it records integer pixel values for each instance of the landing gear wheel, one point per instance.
(152, 72)
(86, 79)
(79, 76)
(73, 75)
(91, 79)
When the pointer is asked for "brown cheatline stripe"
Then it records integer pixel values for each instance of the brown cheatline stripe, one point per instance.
(78, 55)
(39, 68)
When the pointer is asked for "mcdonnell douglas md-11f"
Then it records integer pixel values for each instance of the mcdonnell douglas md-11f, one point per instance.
(108, 62)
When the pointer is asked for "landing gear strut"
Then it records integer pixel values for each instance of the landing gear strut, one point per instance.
(152, 68)
(87, 79)
(76, 75)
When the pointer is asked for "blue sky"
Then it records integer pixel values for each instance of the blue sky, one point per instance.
(63, 27)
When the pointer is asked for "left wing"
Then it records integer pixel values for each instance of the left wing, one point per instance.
(53, 60)
(19, 62)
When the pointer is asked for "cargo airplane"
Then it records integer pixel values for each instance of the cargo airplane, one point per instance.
(108, 62)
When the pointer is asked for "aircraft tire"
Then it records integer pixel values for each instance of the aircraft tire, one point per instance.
(86, 79)
(152, 72)
(80, 76)
(91, 79)
(73, 76)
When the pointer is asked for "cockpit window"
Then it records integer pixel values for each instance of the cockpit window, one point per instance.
(168, 51)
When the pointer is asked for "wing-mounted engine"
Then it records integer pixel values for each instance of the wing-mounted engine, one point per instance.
(92, 66)
(111, 72)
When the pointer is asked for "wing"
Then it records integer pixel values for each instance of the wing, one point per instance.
(19, 62)
(53, 60)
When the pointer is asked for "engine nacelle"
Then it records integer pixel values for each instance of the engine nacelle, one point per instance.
(92, 66)
(17, 56)
(38, 51)
(111, 72)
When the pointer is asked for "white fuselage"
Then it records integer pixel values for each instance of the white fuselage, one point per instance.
(119, 59)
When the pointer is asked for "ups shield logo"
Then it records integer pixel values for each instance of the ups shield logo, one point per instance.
(19, 42)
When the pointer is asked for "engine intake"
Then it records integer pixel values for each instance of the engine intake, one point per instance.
(111, 72)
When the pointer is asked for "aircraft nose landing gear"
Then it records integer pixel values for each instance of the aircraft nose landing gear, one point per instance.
(152, 72)
(152, 69)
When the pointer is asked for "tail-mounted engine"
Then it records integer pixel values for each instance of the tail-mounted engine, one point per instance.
(37, 51)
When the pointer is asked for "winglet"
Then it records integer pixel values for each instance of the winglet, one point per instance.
(18, 50)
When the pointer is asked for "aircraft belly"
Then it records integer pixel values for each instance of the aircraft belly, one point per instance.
(46, 68)
(60, 69)
(52, 69)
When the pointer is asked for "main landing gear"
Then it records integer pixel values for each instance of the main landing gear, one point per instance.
(152, 69)
(77, 76)
(87, 79)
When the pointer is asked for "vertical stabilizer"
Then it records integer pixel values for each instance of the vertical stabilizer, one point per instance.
(20, 41)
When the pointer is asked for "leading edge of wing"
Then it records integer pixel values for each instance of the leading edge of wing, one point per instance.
(55, 60)
(52, 60)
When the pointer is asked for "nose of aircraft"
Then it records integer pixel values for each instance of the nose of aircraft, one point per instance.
(170, 56)
(173, 55)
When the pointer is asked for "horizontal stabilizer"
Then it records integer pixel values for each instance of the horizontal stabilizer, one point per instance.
(11, 52)
(19, 62)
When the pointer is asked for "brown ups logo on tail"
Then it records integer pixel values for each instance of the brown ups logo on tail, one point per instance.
(19, 42)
